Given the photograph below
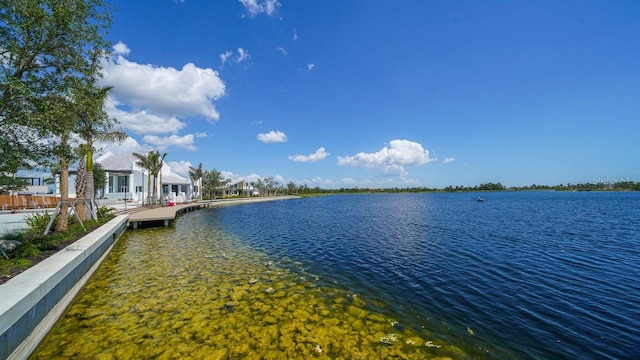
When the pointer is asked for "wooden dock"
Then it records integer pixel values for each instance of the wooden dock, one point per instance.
(159, 216)
(162, 215)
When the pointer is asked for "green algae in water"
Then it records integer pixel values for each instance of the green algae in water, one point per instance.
(201, 294)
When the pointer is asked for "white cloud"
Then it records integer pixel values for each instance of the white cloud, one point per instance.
(320, 154)
(391, 159)
(243, 55)
(310, 67)
(256, 122)
(163, 143)
(128, 146)
(256, 7)
(121, 49)
(163, 91)
(180, 167)
(235, 178)
(142, 122)
(295, 35)
(225, 56)
(273, 137)
(316, 181)
(448, 160)
(281, 50)
(201, 135)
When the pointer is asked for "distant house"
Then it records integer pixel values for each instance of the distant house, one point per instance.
(126, 180)
(241, 188)
(36, 181)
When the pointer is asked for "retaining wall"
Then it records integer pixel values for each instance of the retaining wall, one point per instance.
(32, 302)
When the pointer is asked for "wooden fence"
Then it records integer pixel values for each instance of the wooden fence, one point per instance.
(19, 202)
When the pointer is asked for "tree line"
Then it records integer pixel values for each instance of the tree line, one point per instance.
(211, 184)
(601, 186)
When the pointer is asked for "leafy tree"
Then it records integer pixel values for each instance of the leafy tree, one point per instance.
(211, 181)
(271, 185)
(45, 46)
(291, 187)
(61, 108)
(99, 178)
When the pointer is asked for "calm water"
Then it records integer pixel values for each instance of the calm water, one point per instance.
(543, 275)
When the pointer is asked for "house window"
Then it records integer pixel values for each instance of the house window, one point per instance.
(138, 189)
(119, 183)
(123, 184)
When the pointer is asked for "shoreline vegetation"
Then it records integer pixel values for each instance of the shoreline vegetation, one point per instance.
(601, 186)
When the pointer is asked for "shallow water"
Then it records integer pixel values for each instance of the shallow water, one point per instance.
(522, 275)
(195, 291)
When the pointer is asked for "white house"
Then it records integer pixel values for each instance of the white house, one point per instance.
(241, 188)
(126, 180)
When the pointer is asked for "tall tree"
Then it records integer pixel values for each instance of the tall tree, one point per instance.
(157, 161)
(153, 162)
(195, 174)
(81, 185)
(144, 162)
(93, 125)
(44, 44)
(211, 181)
(61, 108)
(291, 187)
(99, 178)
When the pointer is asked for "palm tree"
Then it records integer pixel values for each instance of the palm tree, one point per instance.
(94, 125)
(195, 174)
(144, 162)
(156, 162)
(81, 186)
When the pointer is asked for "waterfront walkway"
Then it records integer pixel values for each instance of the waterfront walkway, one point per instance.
(138, 215)
(154, 216)
(163, 214)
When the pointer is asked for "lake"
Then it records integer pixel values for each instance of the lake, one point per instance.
(531, 275)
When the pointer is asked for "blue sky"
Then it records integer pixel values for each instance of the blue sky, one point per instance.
(381, 94)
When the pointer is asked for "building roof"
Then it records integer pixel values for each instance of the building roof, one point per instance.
(111, 162)
(173, 179)
(126, 163)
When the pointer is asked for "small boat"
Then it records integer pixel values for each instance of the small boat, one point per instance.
(480, 199)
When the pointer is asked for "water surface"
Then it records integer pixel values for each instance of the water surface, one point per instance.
(522, 275)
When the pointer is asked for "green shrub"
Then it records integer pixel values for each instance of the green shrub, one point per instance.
(12, 235)
(37, 222)
(27, 249)
(105, 212)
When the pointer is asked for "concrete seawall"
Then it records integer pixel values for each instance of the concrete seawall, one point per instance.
(32, 302)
